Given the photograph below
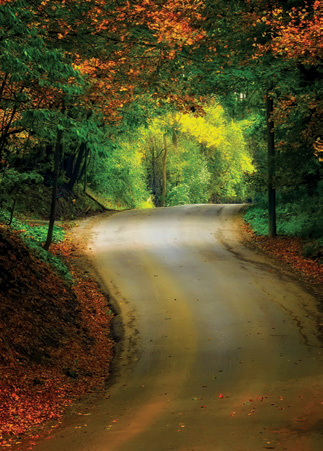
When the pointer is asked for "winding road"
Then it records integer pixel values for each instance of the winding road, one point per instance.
(219, 349)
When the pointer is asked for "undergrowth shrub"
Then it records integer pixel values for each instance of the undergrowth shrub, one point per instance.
(313, 249)
(257, 218)
(34, 237)
(300, 217)
(179, 195)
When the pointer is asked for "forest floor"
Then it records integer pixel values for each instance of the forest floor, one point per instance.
(55, 338)
(289, 252)
(35, 201)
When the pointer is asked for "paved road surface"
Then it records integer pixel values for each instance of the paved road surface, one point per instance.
(219, 350)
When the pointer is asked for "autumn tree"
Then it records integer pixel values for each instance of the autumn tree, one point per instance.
(83, 66)
(245, 52)
(74, 67)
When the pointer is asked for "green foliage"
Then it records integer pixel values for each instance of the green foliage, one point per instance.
(29, 65)
(254, 54)
(257, 218)
(45, 256)
(223, 146)
(179, 195)
(188, 175)
(34, 237)
(118, 176)
(207, 157)
(313, 249)
(42, 91)
(35, 233)
(12, 181)
(147, 204)
(296, 216)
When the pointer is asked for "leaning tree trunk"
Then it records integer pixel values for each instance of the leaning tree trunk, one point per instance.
(164, 191)
(57, 159)
(271, 167)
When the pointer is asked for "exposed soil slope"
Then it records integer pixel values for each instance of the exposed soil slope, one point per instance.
(35, 201)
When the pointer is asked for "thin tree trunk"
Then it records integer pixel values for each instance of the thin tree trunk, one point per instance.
(175, 139)
(77, 167)
(5, 132)
(85, 169)
(12, 211)
(3, 85)
(164, 191)
(57, 160)
(153, 169)
(271, 167)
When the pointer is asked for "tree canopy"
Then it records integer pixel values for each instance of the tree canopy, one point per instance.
(121, 95)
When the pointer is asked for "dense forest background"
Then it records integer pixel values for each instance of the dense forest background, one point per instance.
(154, 103)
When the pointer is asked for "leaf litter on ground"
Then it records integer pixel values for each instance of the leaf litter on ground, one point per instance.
(55, 342)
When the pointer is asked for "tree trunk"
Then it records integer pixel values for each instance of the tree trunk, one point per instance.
(164, 191)
(85, 169)
(57, 159)
(77, 167)
(271, 167)
(153, 178)
(175, 139)
(12, 211)
(5, 131)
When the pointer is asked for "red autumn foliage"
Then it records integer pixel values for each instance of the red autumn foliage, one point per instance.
(55, 343)
(289, 251)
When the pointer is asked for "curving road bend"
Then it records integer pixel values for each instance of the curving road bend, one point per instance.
(219, 349)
